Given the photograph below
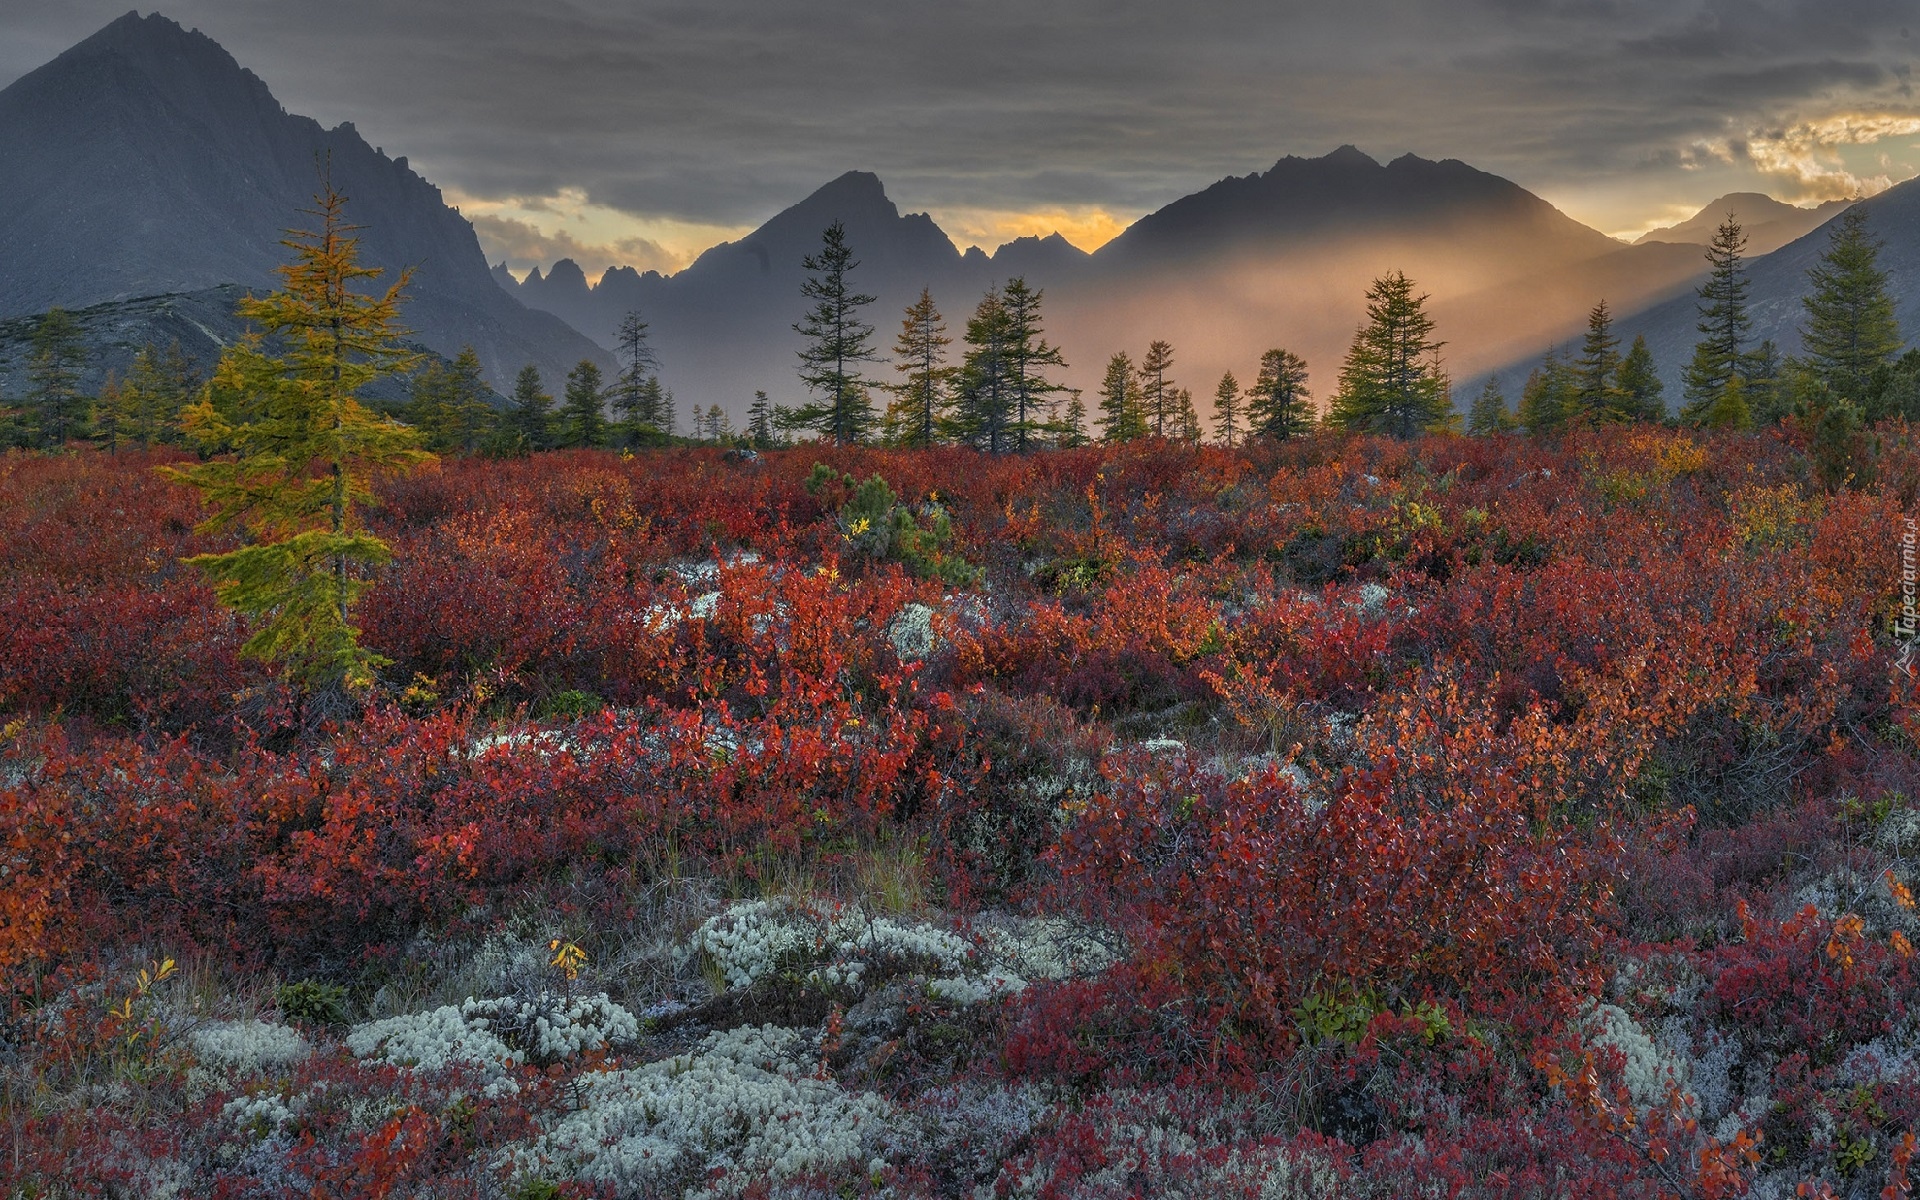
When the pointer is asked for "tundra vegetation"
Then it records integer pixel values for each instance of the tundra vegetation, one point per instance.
(1346, 812)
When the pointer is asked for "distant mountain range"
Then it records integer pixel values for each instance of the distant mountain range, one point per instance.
(145, 162)
(148, 178)
(1768, 223)
(1276, 258)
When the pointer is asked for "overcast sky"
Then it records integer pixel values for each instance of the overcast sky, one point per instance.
(642, 132)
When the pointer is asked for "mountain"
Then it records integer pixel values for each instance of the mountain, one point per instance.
(1769, 224)
(1346, 194)
(145, 162)
(1778, 281)
(114, 331)
(1281, 257)
(723, 326)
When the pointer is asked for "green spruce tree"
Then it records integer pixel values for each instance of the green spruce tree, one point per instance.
(1596, 398)
(1028, 354)
(58, 356)
(461, 417)
(583, 410)
(838, 341)
(1226, 410)
(1121, 417)
(1488, 414)
(1391, 381)
(531, 418)
(1547, 399)
(1850, 334)
(1278, 406)
(1070, 433)
(761, 433)
(983, 407)
(1720, 355)
(1642, 393)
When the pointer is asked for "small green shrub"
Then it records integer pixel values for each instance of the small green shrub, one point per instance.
(570, 705)
(875, 524)
(311, 1003)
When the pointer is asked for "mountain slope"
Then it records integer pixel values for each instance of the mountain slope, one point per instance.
(1779, 281)
(1769, 224)
(146, 161)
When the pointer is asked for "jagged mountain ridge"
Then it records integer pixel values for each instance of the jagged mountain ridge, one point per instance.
(145, 161)
(1281, 257)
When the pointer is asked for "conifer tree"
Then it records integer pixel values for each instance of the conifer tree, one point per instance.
(1226, 410)
(1842, 451)
(1850, 333)
(1719, 356)
(1186, 417)
(1547, 398)
(1157, 399)
(983, 405)
(1071, 432)
(1729, 409)
(638, 405)
(53, 378)
(1766, 384)
(112, 414)
(838, 341)
(449, 404)
(532, 417)
(1642, 393)
(658, 401)
(1488, 414)
(1391, 381)
(425, 406)
(1277, 404)
(920, 355)
(1596, 398)
(305, 452)
(153, 393)
(582, 409)
(761, 433)
(1027, 355)
(1121, 417)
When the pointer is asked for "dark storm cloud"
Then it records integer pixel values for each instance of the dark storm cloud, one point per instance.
(721, 111)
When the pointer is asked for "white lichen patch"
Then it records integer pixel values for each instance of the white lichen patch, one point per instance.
(550, 1028)
(260, 1116)
(248, 1047)
(1647, 1072)
(977, 989)
(432, 1041)
(746, 1105)
(911, 632)
(498, 1033)
(835, 947)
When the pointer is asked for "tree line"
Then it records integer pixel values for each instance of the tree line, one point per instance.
(1000, 395)
(1853, 369)
(1000, 392)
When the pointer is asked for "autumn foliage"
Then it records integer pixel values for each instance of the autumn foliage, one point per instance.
(1396, 768)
